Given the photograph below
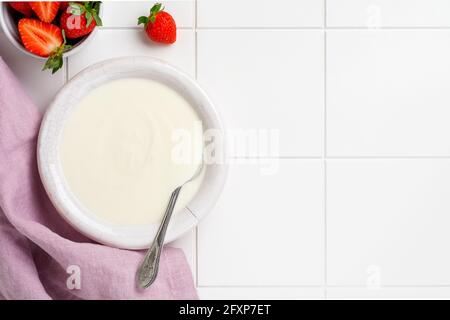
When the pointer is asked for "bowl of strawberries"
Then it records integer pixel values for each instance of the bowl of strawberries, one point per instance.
(50, 30)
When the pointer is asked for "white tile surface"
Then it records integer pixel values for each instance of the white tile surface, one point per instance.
(119, 43)
(269, 80)
(261, 293)
(188, 243)
(260, 13)
(119, 14)
(388, 222)
(388, 13)
(29, 72)
(265, 229)
(410, 293)
(388, 93)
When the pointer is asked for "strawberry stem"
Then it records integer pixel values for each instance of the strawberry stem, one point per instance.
(157, 8)
(55, 60)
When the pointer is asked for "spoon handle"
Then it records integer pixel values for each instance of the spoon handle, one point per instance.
(149, 268)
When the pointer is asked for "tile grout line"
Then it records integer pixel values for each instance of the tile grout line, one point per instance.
(118, 28)
(324, 151)
(338, 286)
(260, 28)
(388, 158)
(443, 28)
(306, 28)
(66, 70)
(262, 286)
(337, 158)
(196, 79)
(195, 15)
(325, 209)
(391, 286)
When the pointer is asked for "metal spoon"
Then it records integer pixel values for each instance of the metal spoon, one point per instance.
(149, 267)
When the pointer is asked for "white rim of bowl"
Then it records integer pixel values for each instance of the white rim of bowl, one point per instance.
(51, 172)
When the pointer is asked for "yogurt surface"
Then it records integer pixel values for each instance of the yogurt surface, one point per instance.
(126, 146)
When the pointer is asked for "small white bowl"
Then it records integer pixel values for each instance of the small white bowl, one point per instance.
(52, 176)
(9, 27)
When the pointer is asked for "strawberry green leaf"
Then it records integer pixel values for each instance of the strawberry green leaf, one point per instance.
(143, 20)
(55, 61)
(156, 8)
(93, 9)
(63, 33)
(97, 6)
(98, 21)
(76, 9)
(89, 18)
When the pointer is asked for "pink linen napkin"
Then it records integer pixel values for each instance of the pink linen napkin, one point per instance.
(39, 251)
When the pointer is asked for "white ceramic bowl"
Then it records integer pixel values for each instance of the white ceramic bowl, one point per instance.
(9, 27)
(49, 161)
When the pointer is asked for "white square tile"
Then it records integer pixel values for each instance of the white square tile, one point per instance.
(267, 80)
(120, 43)
(388, 93)
(188, 243)
(266, 229)
(40, 85)
(119, 14)
(388, 13)
(261, 293)
(388, 222)
(393, 293)
(260, 13)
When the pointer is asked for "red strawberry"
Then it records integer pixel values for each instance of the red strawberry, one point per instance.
(39, 37)
(23, 7)
(75, 26)
(45, 10)
(45, 40)
(80, 19)
(160, 25)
